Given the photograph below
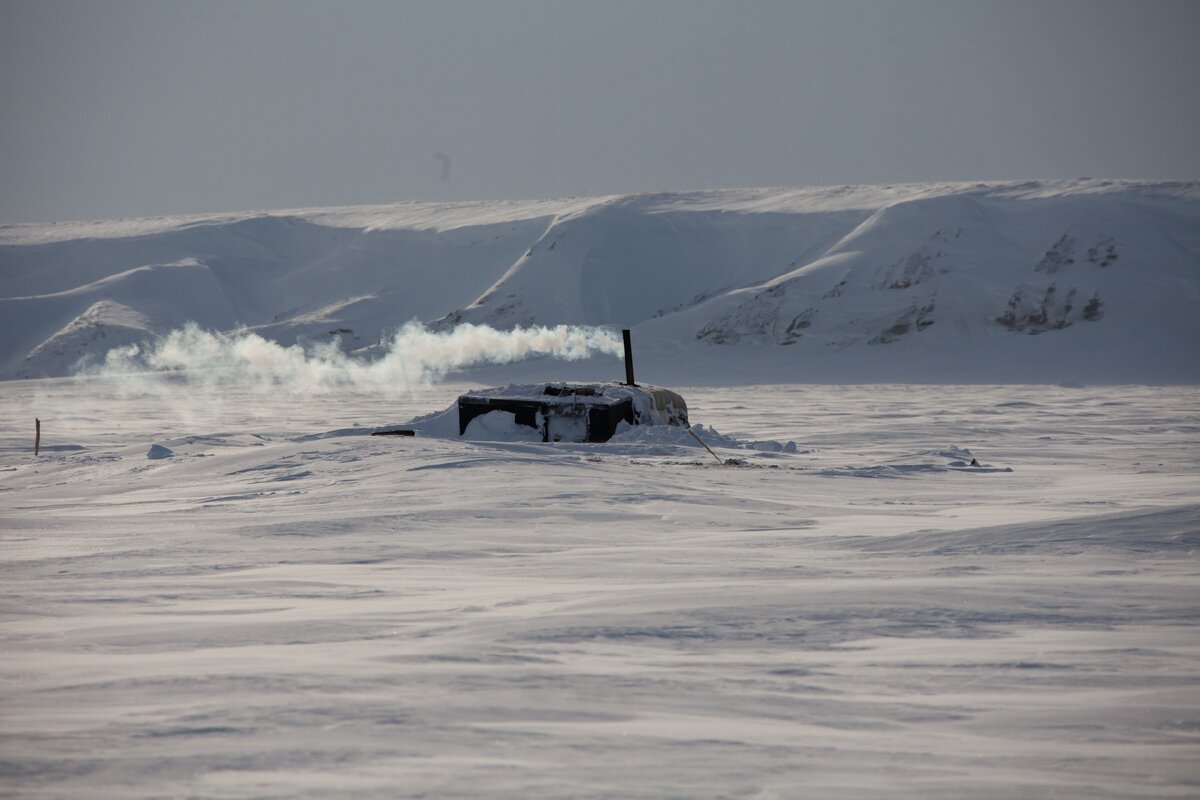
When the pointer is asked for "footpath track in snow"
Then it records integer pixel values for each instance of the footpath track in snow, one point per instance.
(270, 612)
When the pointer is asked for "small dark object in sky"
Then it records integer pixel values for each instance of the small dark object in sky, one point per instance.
(445, 159)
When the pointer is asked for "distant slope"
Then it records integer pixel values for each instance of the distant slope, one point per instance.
(1039, 281)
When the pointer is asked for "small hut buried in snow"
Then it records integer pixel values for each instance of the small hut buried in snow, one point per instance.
(578, 412)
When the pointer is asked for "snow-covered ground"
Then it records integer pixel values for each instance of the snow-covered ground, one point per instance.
(272, 611)
(216, 584)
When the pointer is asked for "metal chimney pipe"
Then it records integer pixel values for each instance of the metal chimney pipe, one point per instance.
(628, 358)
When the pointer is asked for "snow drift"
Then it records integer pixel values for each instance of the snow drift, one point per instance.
(1051, 281)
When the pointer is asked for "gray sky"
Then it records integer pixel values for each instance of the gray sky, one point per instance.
(119, 108)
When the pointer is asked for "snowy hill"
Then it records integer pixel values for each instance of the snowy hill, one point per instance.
(1085, 280)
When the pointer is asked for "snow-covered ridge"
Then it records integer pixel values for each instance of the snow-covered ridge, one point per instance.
(1088, 280)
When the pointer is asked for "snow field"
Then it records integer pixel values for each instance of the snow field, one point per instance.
(273, 611)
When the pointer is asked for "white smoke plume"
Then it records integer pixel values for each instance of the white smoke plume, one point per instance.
(414, 356)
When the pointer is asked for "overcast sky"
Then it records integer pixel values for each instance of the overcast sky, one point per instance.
(117, 108)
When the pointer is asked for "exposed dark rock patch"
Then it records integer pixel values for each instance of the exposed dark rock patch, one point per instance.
(916, 318)
(910, 271)
(798, 325)
(1058, 257)
(1103, 253)
(836, 291)
(1053, 310)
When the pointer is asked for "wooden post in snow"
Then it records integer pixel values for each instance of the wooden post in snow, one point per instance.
(37, 436)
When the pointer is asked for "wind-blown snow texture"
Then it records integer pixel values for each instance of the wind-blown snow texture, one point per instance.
(1094, 281)
(218, 585)
(269, 610)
